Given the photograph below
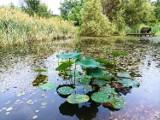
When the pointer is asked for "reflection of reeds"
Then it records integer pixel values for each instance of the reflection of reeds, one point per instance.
(17, 27)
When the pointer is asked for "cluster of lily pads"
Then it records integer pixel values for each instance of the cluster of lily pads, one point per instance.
(96, 76)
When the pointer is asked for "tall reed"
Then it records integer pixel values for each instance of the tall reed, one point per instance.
(19, 27)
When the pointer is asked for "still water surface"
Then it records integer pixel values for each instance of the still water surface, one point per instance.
(20, 100)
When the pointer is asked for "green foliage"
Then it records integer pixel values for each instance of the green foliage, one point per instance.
(48, 86)
(40, 79)
(95, 72)
(116, 54)
(33, 7)
(94, 23)
(65, 90)
(100, 97)
(157, 9)
(18, 27)
(88, 63)
(64, 65)
(70, 55)
(70, 10)
(98, 82)
(128, 82)
(77, 98)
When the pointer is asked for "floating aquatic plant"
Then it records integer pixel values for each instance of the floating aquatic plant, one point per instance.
(65, 90)
(88, 63)
(128, 82)
(48, 86)
(77, 98)
(64, 65)
(70, 55)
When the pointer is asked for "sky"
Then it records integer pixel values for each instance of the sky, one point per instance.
(52, 4)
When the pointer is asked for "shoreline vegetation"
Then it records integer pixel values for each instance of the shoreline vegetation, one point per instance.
(17, 27)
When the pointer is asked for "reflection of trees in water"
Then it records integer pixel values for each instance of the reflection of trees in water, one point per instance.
(87, 111)
(124, 90)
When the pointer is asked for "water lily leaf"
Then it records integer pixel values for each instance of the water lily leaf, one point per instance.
(48, 86)
(128, 82)
(84, 80)
(88, 63)
(95, 72)
(77, 98)
(100, 97)
(40, 79)
(70, 55)
(123, 75)
(65, 90)
(116, 54)
(64, 65)
(100, 83)
(87, 87)
(108, 76)
(117, 102)
(104, 61)
(107, 90)
(39, 70)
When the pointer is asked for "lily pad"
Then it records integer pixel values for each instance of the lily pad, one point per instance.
(88, 63)
(95, 72)
(128, 82)
(39, 70)
(48, 86)
(117, 102)
(108, 76)
(77, 98)
(107, 90)
(100, 97)
(65, 90)
(116, 54)
(104, 61)
(64, 65)
(100, 83)
(123, 75)
(84, 80)
(70, 55)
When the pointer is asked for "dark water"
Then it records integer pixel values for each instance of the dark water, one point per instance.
(20, 100)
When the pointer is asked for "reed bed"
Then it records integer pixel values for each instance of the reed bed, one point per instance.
(18, 27)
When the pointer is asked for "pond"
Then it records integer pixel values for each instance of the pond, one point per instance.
(20, 99)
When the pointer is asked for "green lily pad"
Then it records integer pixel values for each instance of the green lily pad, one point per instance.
(116, 54)
(65, 90)
(88, 63)
(108, 76)
(100, 97)
(39, 70)
(117, 102)
(48, 86)
(95, 72)
(128, 82)
(77, 98)
(123, 75)
(100, 83)
(107, 90)
(84, 80)
(104, 61)
(70, 55)
(64, 65)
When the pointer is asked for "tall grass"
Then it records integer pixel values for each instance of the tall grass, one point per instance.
(19, 27)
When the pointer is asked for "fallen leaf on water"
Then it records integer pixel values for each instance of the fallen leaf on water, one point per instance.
(9, 109)
(34, 117)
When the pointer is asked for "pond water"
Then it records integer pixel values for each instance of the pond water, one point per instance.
(20, 100)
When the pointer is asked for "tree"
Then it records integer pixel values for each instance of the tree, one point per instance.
(94, 23)
(70, 10)
(138, 11)
(114, 10)
(157, 9)
(33, 7)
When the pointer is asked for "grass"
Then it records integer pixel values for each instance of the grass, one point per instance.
(18, 27)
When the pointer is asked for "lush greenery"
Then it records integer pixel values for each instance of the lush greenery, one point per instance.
(99, 80)
(33, 7)
(120, 16)
(18, 27)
